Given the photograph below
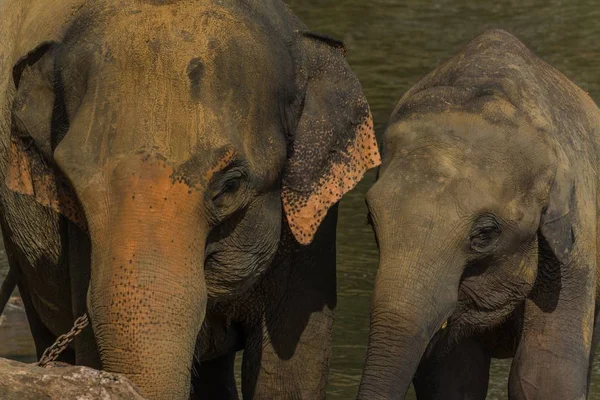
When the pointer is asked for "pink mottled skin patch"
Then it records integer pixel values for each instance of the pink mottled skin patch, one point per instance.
(306, 214)
(33, 177)
(223, 162)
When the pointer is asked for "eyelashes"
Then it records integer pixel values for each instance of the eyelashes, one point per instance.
(485, 233)
(230, 185)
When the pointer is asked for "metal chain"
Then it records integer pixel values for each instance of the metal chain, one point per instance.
(63, 341)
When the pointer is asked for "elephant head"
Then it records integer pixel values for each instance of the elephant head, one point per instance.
(183, 138)
(466, 199)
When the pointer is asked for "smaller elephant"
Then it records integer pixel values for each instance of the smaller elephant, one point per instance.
(485, 211)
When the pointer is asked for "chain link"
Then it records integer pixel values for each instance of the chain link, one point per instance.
(63, 341)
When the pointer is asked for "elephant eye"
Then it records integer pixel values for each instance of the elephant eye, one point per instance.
(230, 185)
(484, 234)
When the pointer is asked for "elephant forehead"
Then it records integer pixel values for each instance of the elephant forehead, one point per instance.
(471, 142)
(184, 41)
(481, 163)
(206, 52)
(105, 129)
(174, 80)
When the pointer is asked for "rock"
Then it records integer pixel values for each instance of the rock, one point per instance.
(20, 381)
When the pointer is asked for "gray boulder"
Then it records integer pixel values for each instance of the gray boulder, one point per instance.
(20, 381)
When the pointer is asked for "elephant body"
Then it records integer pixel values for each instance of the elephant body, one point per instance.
(486, 214)
(173, 169)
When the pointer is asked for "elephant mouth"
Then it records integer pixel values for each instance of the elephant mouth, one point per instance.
(442, 338)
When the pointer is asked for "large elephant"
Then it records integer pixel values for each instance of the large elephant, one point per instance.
(173, 167)
(486, 214)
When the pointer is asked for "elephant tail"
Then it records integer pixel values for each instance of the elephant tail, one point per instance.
(8, 286)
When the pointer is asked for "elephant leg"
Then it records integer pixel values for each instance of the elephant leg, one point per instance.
(552, 358)
(288, 338)
(461, 373)
(42, 336)
(215, 379)
(40, 272)
(78, 254)
(10, 281)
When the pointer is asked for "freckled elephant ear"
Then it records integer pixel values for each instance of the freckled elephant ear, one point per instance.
(34, 123)
(333, 144)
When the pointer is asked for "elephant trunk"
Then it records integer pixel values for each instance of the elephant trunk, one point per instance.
(415, 293)
(147, 296)
(146, 314)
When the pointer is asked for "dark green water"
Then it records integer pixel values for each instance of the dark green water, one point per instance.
(391, 45)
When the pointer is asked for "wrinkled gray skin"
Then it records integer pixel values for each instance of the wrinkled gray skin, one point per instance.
(165, 166)
(486, 213)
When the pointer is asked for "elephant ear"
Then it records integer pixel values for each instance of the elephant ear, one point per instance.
(333, 143)
(556, 224)
(35, 117)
